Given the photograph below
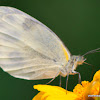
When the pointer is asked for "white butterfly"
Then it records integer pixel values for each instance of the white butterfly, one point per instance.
(30, 50)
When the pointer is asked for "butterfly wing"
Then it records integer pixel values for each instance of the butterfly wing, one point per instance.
(28, 49)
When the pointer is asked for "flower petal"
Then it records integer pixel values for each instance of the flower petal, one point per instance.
(39, 96)
(53, 93)
(51, 90)
(96, 76)
(69, 96)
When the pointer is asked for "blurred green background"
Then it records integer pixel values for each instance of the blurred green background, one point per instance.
(76, 22)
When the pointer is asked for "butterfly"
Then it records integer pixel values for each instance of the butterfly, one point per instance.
(30, 50)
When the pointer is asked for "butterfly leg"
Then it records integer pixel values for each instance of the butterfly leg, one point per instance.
(53, 78)
(74, 72)
(60, 81)
(79, 76)
(67, 80)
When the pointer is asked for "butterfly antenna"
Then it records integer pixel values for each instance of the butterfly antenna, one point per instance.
(92, 51)
(92, 69)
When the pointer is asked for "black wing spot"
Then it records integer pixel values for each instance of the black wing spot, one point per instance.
(28, 24)
(54, 60)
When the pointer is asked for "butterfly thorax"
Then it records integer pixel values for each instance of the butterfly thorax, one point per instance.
(72, 65)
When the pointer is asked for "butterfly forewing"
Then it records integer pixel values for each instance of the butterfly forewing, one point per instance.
(28, 49)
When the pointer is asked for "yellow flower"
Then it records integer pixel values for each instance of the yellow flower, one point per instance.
(80, 89)
(89, 88)
(80, 92)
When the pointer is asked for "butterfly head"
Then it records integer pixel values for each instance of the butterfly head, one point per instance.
(80, 60)
(75, 61)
